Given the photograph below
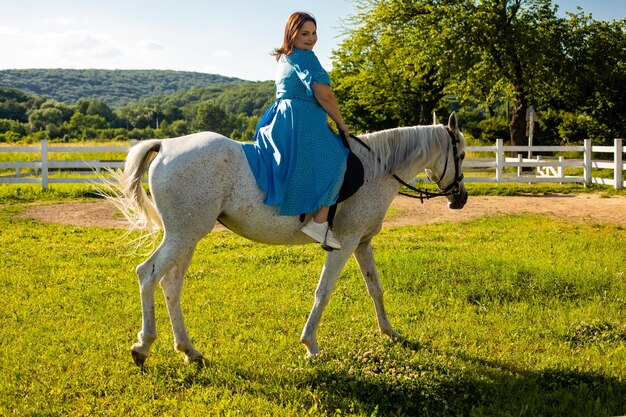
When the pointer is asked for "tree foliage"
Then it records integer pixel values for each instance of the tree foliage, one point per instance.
(393, 69)
(116, 88)
(594, 74)
(403, 59)
(24, 117)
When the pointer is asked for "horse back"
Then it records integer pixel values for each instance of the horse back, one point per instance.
(195, 171)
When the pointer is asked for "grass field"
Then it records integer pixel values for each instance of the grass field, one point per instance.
(508, 316)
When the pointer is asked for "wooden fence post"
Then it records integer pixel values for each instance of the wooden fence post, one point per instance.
(499, 159)
(587, 163)
(618, 160)
(44, 164)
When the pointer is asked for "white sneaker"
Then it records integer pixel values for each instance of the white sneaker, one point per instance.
(322, 233)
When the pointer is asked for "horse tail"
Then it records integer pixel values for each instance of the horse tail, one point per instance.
(129, 196)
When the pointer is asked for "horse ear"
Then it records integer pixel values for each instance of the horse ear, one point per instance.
(453, 123)
(435, 121)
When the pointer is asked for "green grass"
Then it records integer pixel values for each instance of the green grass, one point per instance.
(32, 193)
(511, 315)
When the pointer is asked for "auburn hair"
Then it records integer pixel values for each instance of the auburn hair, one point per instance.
(292, 27)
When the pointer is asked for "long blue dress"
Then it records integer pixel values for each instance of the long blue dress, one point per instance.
(296, 159)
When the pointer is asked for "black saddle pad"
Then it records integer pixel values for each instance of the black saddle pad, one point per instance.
(353, 178)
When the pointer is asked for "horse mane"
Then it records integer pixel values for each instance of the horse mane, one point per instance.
(393, 148)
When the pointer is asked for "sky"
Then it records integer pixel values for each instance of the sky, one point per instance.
(227, 37)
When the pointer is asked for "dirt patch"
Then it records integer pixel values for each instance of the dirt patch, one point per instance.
(589, 208)
(592, 208)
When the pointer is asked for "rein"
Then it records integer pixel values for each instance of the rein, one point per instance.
(424, 194)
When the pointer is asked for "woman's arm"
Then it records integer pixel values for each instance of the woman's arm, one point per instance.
(324, 95)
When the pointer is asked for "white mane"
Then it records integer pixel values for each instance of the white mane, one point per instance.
(394, 147)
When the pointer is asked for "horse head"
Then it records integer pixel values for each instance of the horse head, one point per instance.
(450, 180)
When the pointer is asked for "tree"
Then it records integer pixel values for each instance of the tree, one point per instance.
(394, 67)
(39, 119)
(212, 117)
(520, 43)
(85, 126)
(66, 110)
(593, 81)
(139, 116)
(14, 104)
(408, 54)
(100, 108)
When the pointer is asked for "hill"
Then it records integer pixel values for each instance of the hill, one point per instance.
(115, 87)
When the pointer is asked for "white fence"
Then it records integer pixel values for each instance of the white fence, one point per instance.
(496, 168)
(548, 169)
(42, 167)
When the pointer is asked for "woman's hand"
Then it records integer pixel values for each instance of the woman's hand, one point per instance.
(343, 128)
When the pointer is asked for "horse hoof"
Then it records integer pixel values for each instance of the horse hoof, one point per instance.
(395, 336)
(392, 334)
(198, 359)
(138, 357)
(313, 355)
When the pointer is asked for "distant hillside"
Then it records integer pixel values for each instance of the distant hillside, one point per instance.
(115, 87)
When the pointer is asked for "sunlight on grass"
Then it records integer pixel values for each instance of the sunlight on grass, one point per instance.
(509, 315)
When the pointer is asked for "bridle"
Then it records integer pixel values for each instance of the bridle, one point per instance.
(454, 188)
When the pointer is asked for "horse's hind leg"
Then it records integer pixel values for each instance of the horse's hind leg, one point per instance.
(365, 258)
(169, 252)
(172, 285)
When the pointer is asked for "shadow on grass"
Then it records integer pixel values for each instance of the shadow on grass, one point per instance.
(380, 383)
(470, 386)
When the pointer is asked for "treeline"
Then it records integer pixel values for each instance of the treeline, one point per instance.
(230, 109)
(490, 60)
(116, 88)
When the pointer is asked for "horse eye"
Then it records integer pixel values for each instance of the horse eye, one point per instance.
(462, 155)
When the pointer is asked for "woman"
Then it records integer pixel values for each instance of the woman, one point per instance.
(296, 159)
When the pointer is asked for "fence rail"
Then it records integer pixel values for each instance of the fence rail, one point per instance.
(503, 169)
(548, 168)
(41, 169)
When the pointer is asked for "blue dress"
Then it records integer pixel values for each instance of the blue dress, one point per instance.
(296, 159)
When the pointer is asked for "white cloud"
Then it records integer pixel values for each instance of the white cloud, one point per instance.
(6, 32)
(82, 44)
(222, 54)
(150, 45)
(83, 48)
(53, 21)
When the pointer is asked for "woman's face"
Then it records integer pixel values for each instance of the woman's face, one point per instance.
(306, 37)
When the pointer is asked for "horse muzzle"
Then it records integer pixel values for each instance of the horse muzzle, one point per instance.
(458, 200)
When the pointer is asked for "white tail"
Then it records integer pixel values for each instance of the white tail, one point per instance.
(128, 194)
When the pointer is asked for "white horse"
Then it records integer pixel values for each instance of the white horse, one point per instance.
(202, 178)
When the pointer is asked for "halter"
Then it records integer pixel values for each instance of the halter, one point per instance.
(453, 188)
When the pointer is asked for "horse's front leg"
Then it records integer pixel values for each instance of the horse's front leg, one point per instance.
(365, 258)
(335, 262)
(172, 285)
